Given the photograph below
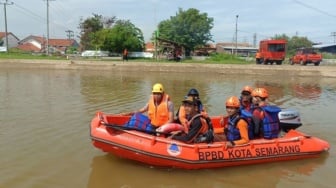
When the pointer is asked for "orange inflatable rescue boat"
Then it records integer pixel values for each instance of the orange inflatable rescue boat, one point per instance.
(109, 134)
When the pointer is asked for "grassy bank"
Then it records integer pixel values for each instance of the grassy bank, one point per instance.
(213, 59)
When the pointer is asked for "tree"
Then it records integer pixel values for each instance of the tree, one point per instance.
(90, 26)
(298, 42)
(123, 35)
(190, 28)
(282, 36)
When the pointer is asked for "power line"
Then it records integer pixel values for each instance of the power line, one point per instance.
(313, 8)
(25, 11)
(40, 18)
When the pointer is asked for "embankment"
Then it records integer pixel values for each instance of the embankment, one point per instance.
(288, 70)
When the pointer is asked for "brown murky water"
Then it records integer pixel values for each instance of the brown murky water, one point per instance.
(45, 116)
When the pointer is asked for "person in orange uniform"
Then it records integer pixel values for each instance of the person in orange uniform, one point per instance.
(258, 57)
(198, 124)
(182, 117)
(125, 54)
(265, 116)
(259, 96)
(160, 108)
(246, 99)
(237, 128)
(245, 105)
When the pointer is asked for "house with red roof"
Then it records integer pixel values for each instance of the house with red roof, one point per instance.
(149, 47)
(37, 44)
(12, 40)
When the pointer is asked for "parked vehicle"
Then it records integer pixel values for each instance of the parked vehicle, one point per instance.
(272, 51)
(305, 56)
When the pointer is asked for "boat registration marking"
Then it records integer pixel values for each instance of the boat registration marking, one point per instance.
(234, 153)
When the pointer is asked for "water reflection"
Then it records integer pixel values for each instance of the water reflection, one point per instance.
(301, 90)
(110, 171)
(127, 91)
(276, 90)
(306, 90)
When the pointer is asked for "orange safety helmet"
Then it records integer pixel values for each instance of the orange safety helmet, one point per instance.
(260, 92)
(232, 102)
(247, 88)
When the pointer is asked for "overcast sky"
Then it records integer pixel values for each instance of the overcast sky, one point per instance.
(314, 19)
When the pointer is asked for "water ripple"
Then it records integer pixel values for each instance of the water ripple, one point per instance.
(45, 117)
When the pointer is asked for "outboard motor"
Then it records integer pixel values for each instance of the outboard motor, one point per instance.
(289, 119)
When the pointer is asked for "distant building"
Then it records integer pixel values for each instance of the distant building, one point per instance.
(243, 49)
(150, 47)
(12, 41)
(329, 48)
(37, 44)
(205, 50)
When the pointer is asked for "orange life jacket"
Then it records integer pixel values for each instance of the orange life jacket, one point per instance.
(159, 114)
(205, 126)
(203, 129)
(183, 118)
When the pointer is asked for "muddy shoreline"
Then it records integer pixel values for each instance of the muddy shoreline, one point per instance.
(251, 69)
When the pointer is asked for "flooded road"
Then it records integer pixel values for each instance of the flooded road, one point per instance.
(45, 116)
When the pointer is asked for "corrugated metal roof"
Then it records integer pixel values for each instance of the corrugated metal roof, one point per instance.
(238, 47)
(324, 45)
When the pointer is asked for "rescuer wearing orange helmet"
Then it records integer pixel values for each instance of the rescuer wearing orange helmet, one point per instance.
(236, 131)
(246, 98)
(245, 103)
(259, 97)
(265, 117)
(160, 108)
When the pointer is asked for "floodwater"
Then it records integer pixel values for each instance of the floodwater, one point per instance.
(45, 116)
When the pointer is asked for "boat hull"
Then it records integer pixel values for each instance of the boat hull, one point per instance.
(160, 151)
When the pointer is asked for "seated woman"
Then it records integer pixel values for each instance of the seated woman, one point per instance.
(238, 130)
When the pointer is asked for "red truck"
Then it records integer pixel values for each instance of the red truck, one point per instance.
(305, 56)
(272, 51)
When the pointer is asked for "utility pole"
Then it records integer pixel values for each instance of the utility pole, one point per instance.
(255, 40)
(47, 49)
(333, 34)
(70, 34)
(156, 43)
(236, 34)
(6, 33)
(156, 33)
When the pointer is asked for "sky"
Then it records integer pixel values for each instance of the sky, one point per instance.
(255, 20)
